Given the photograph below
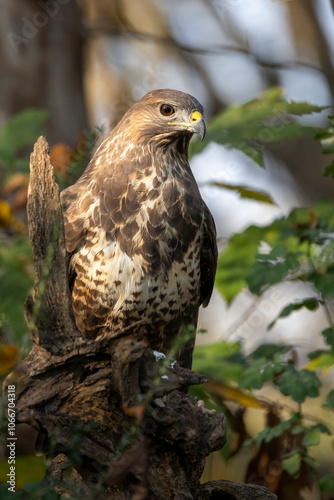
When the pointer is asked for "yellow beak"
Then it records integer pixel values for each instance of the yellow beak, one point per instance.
(196, 124)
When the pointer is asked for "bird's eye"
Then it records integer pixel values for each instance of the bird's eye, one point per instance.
(167, 110)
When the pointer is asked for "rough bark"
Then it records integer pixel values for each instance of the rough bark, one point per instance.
(227, 490)
(111, 425)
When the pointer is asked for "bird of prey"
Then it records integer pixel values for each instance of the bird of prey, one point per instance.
(140, 239)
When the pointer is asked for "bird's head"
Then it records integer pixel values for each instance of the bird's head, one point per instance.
(166, 115)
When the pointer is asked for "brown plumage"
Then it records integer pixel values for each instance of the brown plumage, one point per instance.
(141, 241)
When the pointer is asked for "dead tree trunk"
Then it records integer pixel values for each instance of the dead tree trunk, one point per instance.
(112, 426)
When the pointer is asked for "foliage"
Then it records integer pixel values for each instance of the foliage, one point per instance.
(296, 248)
(16, 282)
(29, 468)
(327, 142)
(250, 126)
(8, 357)
(22, 130)
(245, 192)
(17, 137)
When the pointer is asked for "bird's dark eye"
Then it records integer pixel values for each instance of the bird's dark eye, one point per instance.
(167, 110)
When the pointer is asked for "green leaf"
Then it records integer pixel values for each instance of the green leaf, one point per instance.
(235, 261)
(27, 467)
(287, 131)
(311, 462)
(23, 129)
(327, 142)
(329, 170)
(311, 304)
(291, 241)
(315, 354)
(297, 429)
(303, 108)
(268, 373)
(328, 145)
(269, 351)
(324, 281)
(299, 384)
(8, 495)
(263, 367)
(326, 256)
(329, 403)
(261, 436)
(218, 360)
(246, 192)
(267, 272)
(16, 269)
(323, 212)
(312, 437)
(252, 377)
(253, 151)
(326, 483)
(46, 491)
(328, 335)
(292, 464)
(277, 430)
(269, 433)
(323, 361)
(264, 120)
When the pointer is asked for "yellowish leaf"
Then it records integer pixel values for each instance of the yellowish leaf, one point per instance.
(7, 218)
(324, 362)
(231, 393)
(28, 468)
(8, 357)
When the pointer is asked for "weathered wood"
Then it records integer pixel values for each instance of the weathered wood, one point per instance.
(51, 310)
(227, 490)
(111, 425)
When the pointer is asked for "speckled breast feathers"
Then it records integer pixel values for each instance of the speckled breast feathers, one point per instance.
(140, 239)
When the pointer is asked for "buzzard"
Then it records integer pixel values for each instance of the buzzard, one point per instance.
(141, 241)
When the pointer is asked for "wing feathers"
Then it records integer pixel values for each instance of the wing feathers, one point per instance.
(209, 255)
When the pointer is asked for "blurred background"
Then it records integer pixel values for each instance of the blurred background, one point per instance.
(87, 61)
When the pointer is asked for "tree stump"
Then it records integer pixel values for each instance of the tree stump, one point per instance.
(113, 427)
